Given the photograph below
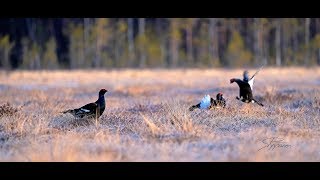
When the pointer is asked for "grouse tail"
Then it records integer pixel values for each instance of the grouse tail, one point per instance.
(192, 108)
(259, 103)
(257, 72)
(67, 111)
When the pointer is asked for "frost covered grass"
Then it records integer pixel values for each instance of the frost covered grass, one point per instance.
(147, 117)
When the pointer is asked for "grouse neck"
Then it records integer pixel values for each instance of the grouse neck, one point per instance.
(101, 97)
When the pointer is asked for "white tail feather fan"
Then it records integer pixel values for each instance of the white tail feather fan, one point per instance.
(251, 83)
(205, 102)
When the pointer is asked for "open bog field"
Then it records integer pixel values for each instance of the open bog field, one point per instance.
(147, 116)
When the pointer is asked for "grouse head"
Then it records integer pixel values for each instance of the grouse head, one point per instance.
(232, 80)
(219, 96)
(102, 92)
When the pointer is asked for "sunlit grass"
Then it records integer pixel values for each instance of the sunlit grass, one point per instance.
(147, 117)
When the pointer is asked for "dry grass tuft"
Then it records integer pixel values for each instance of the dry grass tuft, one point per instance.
(7, 110)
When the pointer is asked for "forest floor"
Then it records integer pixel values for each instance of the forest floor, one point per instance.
(147, 116)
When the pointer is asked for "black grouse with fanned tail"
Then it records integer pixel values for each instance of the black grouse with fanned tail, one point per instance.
(246, 88)
(209, 103)
(91, 110)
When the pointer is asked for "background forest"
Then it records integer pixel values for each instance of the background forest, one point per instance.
(82, 43)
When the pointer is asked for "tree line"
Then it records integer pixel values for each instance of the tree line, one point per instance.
(80, 43)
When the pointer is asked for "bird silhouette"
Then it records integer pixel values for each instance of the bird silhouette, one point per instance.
(91, 110)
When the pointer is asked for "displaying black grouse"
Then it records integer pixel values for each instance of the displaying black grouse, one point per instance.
(246, 88)
(91, 110)
(208, 103)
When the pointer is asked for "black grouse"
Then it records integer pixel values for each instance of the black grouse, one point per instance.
(208, 103)
(246, 88)
(91, 110)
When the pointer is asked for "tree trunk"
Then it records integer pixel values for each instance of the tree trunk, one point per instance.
(5, 50)
(189, 40)
(162, 41)
(248, 36)
(266, 52)
(116, 50)
(285, 44)
(306, 38)
(278, 43)
(87, 46)
(295, 44)
(257, 41)
(80, 53)
(265, 43)
(6, 58)
(318, 31)
(31, 26)
(37, 61)
(318, 59)
(141, 34)
(174, 44)
(213, 43)
(97, 58)
(130, 41)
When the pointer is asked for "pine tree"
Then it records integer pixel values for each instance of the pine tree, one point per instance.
(50, 59)
(237, 55)
(5, 49)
